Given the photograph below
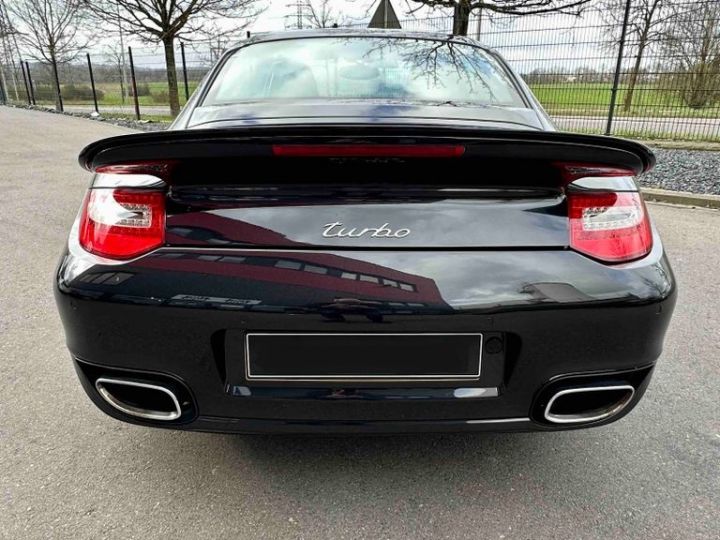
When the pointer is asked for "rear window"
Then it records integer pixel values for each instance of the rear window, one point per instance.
(364, 68)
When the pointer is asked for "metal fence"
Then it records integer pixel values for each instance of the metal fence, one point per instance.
(606, 71)
(643, 76)
(113, 80)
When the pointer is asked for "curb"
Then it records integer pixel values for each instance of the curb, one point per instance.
(140, 125)
(681, 197)
(694, 146)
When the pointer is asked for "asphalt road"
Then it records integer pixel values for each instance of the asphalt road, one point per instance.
(68, 471)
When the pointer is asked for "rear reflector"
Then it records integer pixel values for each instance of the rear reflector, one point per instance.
(122, 223)
(571, 171)
(611, 227)
(161, 169)
(369, 150)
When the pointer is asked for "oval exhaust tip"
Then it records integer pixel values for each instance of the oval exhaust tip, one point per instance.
(139, 399)
(588, 404)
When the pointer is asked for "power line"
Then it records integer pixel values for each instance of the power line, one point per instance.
(300, 11)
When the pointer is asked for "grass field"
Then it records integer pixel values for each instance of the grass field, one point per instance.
(593, 99)
(158, 93)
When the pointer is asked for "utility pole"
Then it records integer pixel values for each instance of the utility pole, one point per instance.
(122, 57)
(5, 30)
(14, 38)
(299, 14)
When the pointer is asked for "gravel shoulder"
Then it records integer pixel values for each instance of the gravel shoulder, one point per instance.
(696, 171)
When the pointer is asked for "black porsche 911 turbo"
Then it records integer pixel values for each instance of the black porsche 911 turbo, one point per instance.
(364, 231)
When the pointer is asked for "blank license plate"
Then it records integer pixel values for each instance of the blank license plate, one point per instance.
(284, 356)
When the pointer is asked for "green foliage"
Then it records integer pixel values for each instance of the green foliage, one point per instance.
(160, 97)
(44, 92)
(143, 89)
(72, 92)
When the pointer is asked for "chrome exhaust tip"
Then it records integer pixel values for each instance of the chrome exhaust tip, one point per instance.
(587, 404)
(139, 399)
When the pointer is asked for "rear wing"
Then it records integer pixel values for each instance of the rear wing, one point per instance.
(257, 141)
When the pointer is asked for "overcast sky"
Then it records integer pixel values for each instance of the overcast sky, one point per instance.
(278, 12)
(527, 42)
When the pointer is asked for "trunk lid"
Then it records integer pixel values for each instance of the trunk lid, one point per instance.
(365, 187)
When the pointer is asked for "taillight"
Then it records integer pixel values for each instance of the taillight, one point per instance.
(122, 223)
(369, 150)
(611, 227)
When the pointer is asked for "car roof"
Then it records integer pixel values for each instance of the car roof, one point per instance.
(261, 37)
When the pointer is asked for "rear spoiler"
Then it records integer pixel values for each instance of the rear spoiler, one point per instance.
(258, 140)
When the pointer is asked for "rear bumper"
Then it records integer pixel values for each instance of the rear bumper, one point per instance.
(325, 415)
(181, 313)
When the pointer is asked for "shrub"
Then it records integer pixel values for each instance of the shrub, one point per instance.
(44, 92)
(143, 89)
(161, 97)
(72, 92)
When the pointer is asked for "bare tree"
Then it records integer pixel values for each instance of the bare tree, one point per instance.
(319, 14)
(208, 52)
(164, 21)
(646, 27)
(463, 8)
(695, 42)
(116, 57)
(49, 31)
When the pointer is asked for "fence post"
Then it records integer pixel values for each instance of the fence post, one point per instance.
(30, 83)
(134, 84)
(92, 83)
(182, 54)
(27, 90)
(3, 87)
(618, 68)
(57, 85)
